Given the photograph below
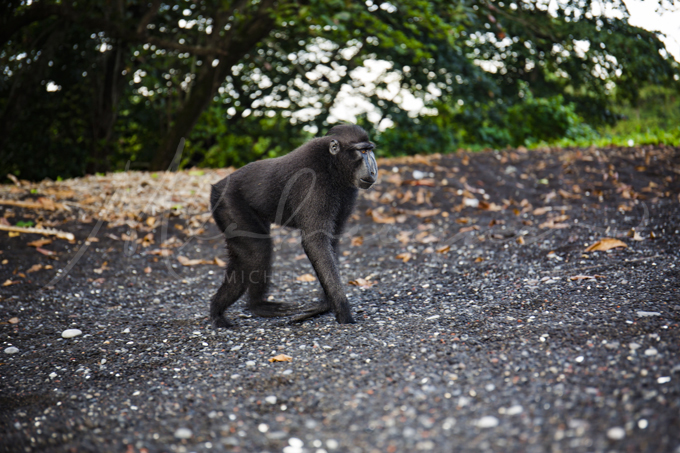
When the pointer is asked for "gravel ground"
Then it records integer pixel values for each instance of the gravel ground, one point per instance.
(483, 322)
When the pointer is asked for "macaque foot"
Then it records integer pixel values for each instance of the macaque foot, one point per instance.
(221, 323)
(272, 309)
(311, 312)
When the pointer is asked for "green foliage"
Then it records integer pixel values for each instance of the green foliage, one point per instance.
(244, 81)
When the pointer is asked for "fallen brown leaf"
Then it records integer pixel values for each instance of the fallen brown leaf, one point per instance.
(34, 268)
(424, 212)
(585, 277)
(219, 262)
(605, 244)
(9, 282)
(147, 270)
(405, 257)
(357, 241)
(281, 358)
(306, 278)
(380, 218)
(184, 261)
(469, 228)
(362, 283)
(45, 252)
(443, 249)
(161, 252)
(40, 242)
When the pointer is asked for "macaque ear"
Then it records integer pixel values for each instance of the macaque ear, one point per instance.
(334, 148)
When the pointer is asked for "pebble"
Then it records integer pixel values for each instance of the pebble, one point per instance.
(250, 363)
(651, 351)
(271, 399)
(471, 202)
(14, 320)
(616, 433)
(643, 314)
(295, 442)
(417, 174)
(183, 433)
(488, 421)
(11, 350)
(70, 333)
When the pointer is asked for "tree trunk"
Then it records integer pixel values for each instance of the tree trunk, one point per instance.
(105, 109)
(208, 81)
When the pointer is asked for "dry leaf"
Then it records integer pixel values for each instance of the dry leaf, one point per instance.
(635, 235)
(362, 283)
(40, 242)
(184, 261)
(605, 244)
(34, 268)
(161, 252)
(357, 241)
(45, 252)
(469, 228)
(379, 218)
(9, 282)
(281, 358)
(147, 270)
(404, 237)
(520, 240)
(444, 249)
(424, 212)
(306, 278)
(486, 206)
(479, 259)
(405, 257)
(219, 262)
(585, 277)
(102, 268)
(151, 222)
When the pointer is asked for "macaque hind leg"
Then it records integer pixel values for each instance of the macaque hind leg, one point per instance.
(229, 292)
(258, 279)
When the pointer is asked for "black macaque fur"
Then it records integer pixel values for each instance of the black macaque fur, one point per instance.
(313, 189)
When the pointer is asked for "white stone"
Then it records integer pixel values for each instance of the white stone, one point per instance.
(250, 363)
(295, 442)
(648, 313)
(53, 375)
(183, 433)
(664, 379)
(471, 202)
(616, 433)
(488, 421)
(70, 333)
(11, 350)
(651, 351)
(514, 410)
(271, 399)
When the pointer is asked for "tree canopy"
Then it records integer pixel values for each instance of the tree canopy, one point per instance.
(88, 85)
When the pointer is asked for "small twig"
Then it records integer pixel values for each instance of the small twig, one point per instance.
(44, 231)
(31, 205)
